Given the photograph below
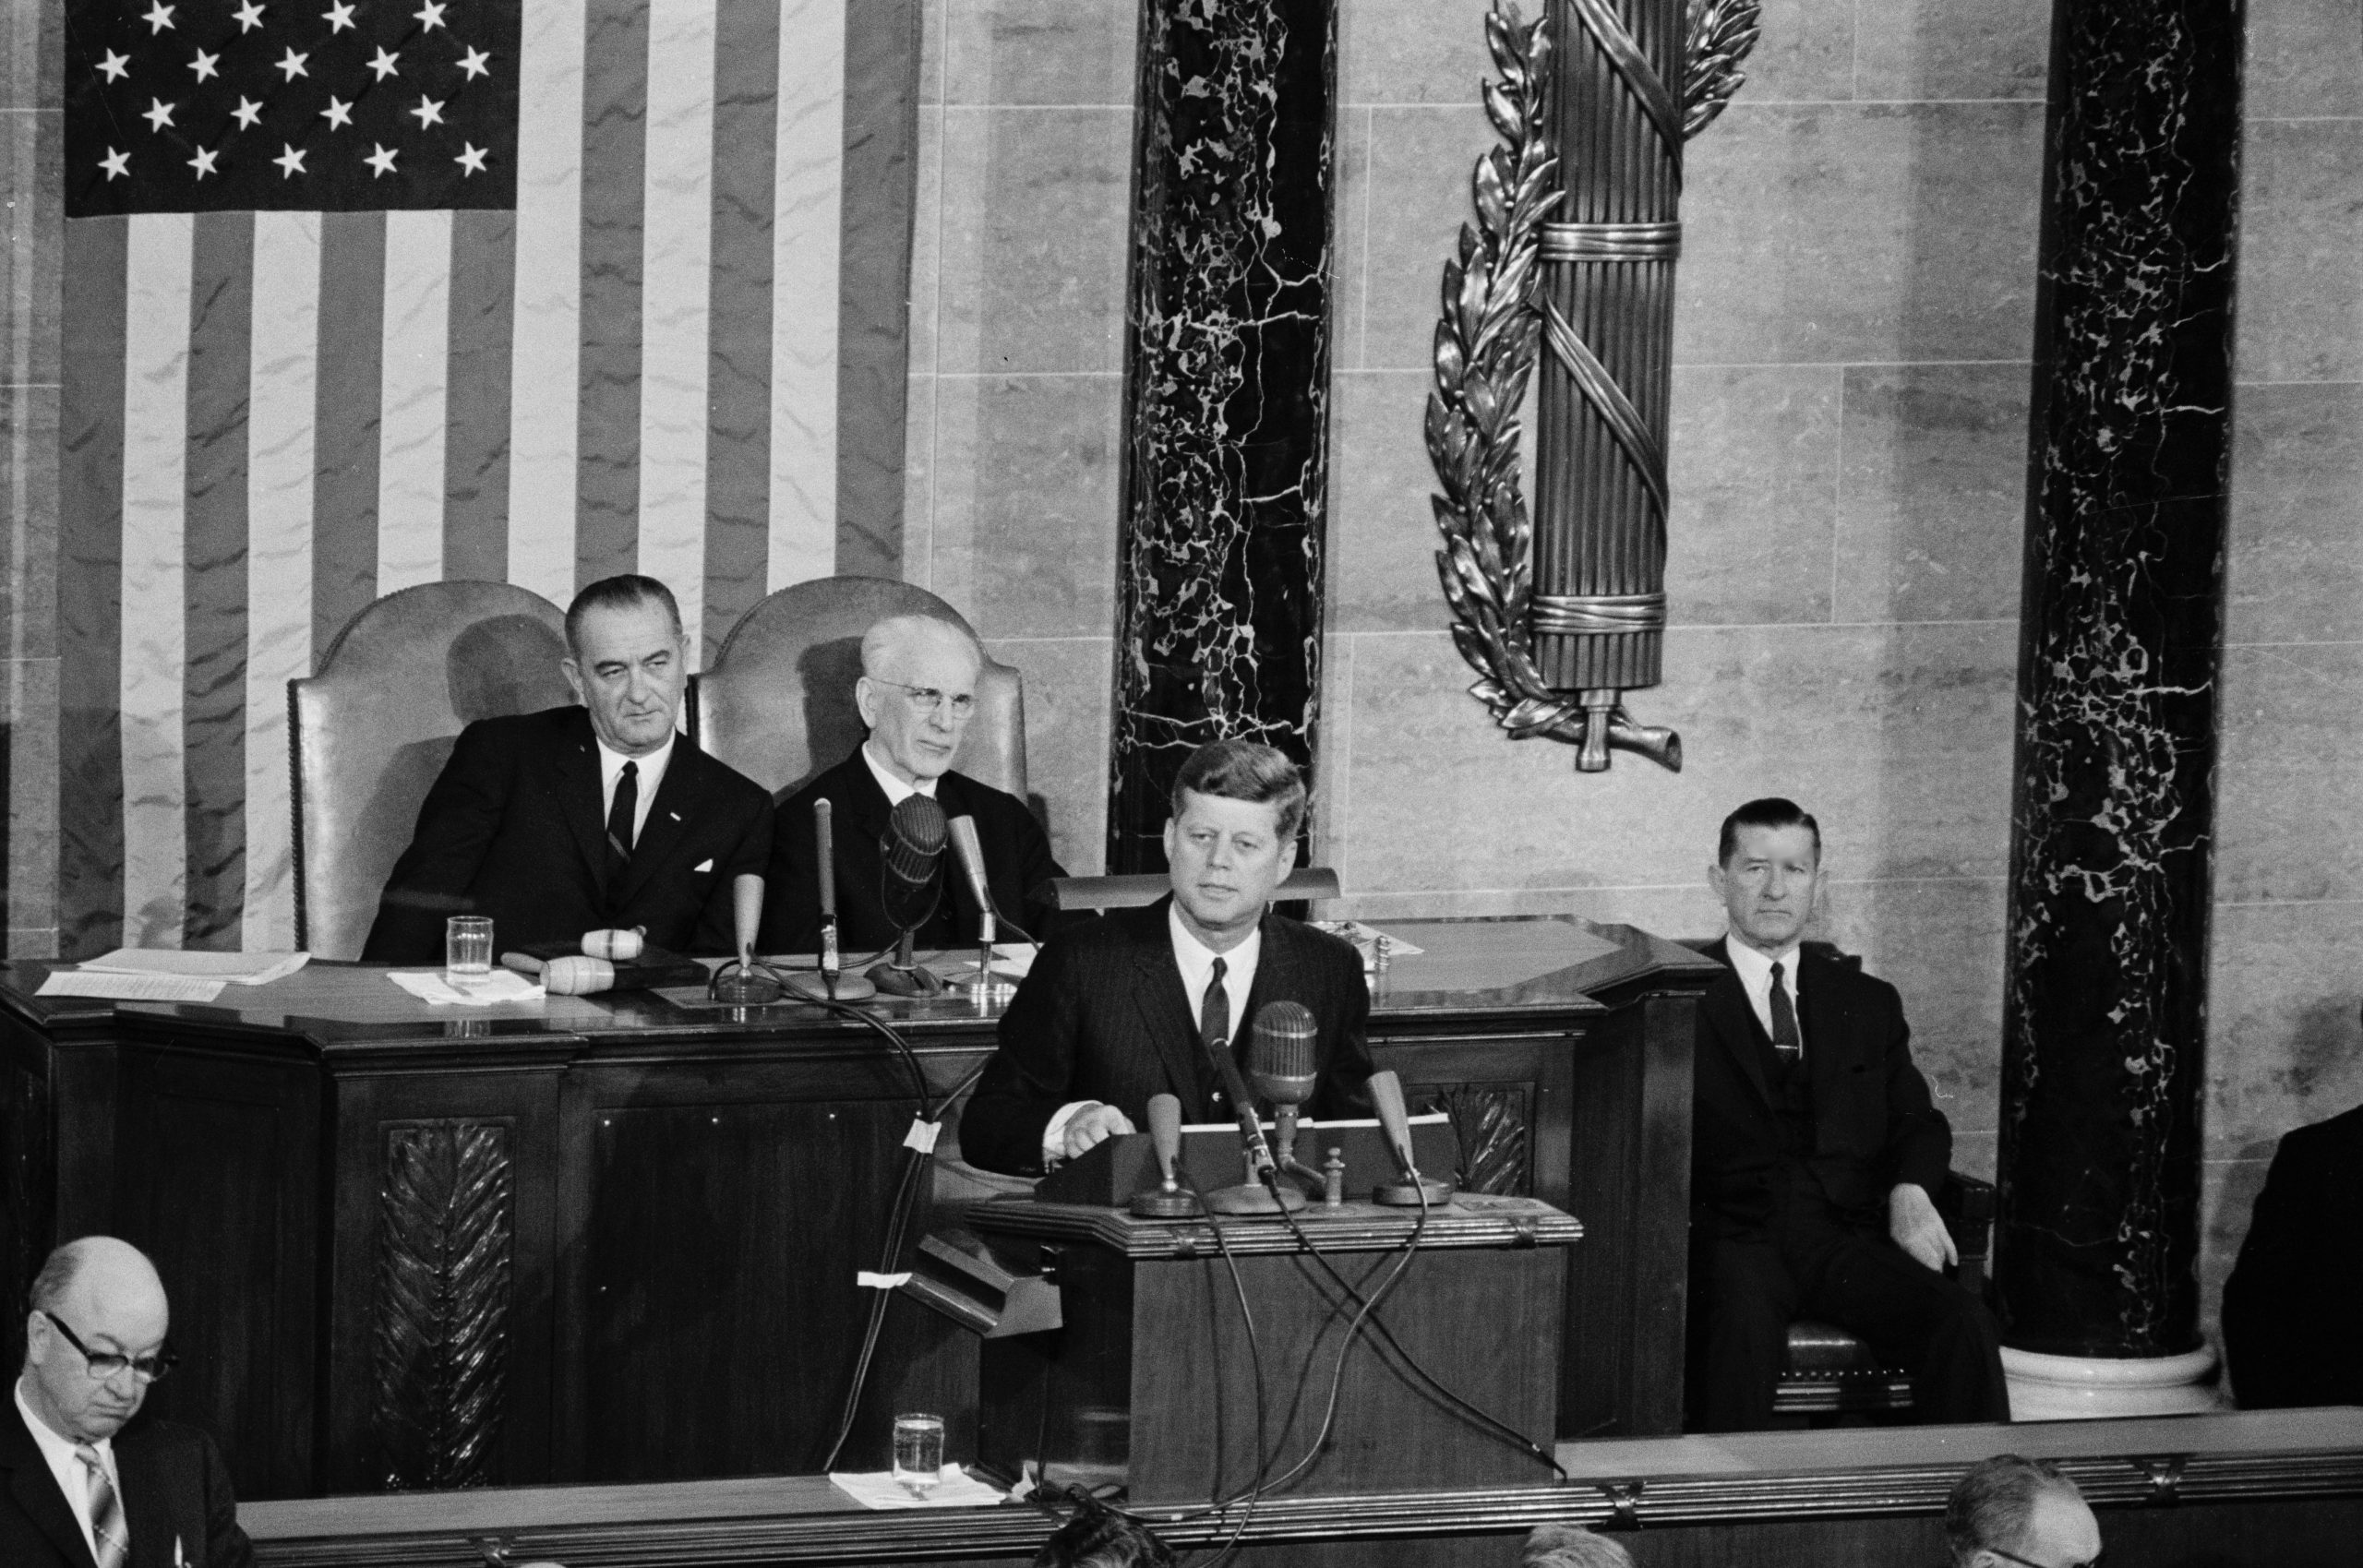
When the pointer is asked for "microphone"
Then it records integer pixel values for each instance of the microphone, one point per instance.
(911, 855)
(971, 856)
(1414, 1190)
(1282, 1060)
(1261, 1193)
(1167, 1202)
(826, 859)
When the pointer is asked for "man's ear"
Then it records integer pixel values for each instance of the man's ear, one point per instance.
(574, 673)
(865, 702)
(1169, 840)
(1288, 856)
(1715, 880)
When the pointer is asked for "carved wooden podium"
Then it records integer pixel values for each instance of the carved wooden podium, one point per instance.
(1151, 1380)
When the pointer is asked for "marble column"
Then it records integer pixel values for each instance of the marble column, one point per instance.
(1226, 397)
(2113, 822)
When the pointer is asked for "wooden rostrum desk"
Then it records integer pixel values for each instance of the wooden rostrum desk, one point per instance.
(616, 1239)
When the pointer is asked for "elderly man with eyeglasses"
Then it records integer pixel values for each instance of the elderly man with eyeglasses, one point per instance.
(2012, 1512)
(85, 1482)
(916, 693)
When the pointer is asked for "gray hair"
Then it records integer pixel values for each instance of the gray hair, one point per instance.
(1571, 1546)
(1992, 1504)
(884, 636)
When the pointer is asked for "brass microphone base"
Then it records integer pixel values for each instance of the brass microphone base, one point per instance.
(1406, 1194)
(744, 985)
(811, 987)
(915, 981)
(1156, 1204)
(1255, 1199)
(983, 985)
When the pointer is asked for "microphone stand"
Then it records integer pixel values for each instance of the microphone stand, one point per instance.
(1261, 1192)
(904, 975)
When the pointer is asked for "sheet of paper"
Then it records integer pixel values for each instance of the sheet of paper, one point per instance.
(500, 986)
(880, 1489)
(241, 968)
(1366, 938)
(127, 987)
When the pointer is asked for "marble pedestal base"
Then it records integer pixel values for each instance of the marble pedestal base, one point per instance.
(2082, 1388)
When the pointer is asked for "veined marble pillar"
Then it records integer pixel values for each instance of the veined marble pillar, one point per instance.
(1226, 397)
(2103, 1060)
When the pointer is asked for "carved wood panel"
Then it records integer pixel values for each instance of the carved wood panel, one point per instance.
(1494, 1123)
(440, 1335)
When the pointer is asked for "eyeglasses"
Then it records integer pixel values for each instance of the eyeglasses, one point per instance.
(928, 699)
(2094, 1562)
(104, 1364)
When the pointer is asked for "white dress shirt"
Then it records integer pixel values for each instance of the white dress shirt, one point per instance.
(67, 1465)
(1195, 960)
(1754, 967)
(652, 773)
(897, 788)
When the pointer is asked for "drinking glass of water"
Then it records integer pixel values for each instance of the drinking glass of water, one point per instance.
(919, 1452)
(467, 948)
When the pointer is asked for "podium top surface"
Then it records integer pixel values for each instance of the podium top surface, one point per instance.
(1550, 964)
(1469, 1220)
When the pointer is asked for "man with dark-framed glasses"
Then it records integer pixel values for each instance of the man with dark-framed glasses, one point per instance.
(2012, 1513)
(916, 694)
(83, 1475)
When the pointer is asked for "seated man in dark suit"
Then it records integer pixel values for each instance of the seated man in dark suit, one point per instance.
(582, 817)
(2293, 1304)
(85, 1482)
(1814, 1151)
(1118, 1009)
(916, 693)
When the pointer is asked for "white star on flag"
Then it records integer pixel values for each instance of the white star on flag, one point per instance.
(338, 18)
(247, 112)
(470, 159)
(339, 114)
(249, 17)
(292, 64)
(382, 160)
(429, 111)
(384, 65)
(476, 63)
(203, 162)
(291, 162)
(115, 163)
(206, 65)
(159, 18)
(118, 67)
(158, 114)
(432, 15)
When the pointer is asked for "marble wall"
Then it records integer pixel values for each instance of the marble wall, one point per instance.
(2285, 1046)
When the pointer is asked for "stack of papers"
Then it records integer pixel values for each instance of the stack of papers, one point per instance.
(879, 1489)
(169, 975)
(500, 986)
(127, 987)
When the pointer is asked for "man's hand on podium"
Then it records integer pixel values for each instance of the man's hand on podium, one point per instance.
(1089, 1127)
(1913, 1220)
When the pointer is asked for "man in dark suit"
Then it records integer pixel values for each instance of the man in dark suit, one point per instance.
(916, 693)
(577, 818)
(2296, 1295)
(1814, 1151)
(81, 1483)
(1116, 1011)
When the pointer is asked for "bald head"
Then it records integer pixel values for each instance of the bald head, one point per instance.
(917, 692)
(105, 1294)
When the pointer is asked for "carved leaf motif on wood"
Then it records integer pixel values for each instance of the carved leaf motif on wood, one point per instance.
(445, 1262)
(1492, 1123)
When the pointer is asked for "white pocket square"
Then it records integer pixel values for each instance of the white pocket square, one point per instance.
(704, 866)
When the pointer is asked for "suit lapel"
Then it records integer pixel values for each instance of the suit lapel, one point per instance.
(579, 793)
(1165, 1009)
(35, 1488)
(144, 1514)
(1726, 1007)
(1275, 973)
(678, 795)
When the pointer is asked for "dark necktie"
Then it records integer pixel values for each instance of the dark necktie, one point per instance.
(1785, 1038)
(106, 1510)
(619, 818)
(1214, 1016)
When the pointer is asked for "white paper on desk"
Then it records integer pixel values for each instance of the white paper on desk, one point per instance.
(500, 986)
(127, 987)
(879, 1489)
(1366, 938)
(1013, 958)
(239, 968)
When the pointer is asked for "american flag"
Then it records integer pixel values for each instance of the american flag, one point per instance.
(365, 294)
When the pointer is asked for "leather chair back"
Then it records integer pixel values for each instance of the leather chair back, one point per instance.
(777, 702)
(371, 730)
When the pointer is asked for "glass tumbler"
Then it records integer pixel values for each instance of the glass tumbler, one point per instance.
(919, 1452)
(467, 948)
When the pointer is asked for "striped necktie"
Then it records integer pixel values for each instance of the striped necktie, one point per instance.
(106, 1510)
(1784, 1021)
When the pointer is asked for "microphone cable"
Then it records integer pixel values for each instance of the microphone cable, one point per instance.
(1264, 1456)
(1500, 1428)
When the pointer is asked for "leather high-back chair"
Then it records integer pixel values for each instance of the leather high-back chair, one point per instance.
(777, 702)
(372, 728)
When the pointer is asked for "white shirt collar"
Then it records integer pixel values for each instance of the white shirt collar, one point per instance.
(897, 791)
(1196, 962)
(650, 773)
(67, 1465)
(1755, 965)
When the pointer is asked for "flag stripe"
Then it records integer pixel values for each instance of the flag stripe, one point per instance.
(547, 334)
(880, 183)
(155, 462)
(213, 682)
(417, 337)
(615, 113)
(806, 174)
(677, 225)
(738, 450)
(344, 431)
(476, 439)
(90, 576)
(286, 314)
